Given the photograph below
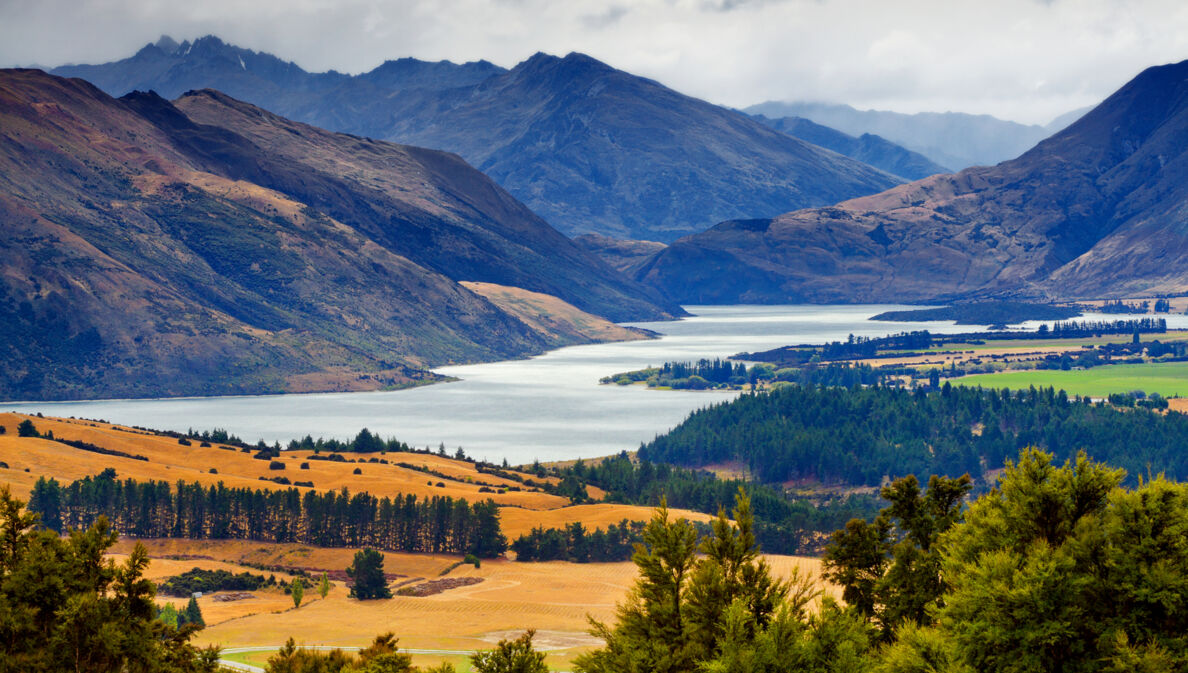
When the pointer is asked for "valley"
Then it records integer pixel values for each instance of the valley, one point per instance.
(539, 364)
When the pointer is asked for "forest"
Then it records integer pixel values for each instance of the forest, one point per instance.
(1061, 569)
(331, 519)
(861, 435)
(786, 523)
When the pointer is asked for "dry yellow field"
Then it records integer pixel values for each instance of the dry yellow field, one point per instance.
(30, 458)
(554, 598)
(171, 461)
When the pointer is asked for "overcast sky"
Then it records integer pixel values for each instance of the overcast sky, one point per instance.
(1027, 60)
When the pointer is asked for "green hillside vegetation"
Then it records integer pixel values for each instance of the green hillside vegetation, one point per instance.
(861, 435)
(1057, 569)
(63, 607)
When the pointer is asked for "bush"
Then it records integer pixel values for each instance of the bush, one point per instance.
(357, 470)
(276, 465)
(304, 466)
(213, 470)
(183, 441)
(27, 429)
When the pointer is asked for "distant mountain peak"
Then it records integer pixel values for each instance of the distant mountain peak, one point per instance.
(166, 44)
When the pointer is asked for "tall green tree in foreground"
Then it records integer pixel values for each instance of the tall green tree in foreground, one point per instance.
(63, 607)
(889, 569)
(1057, 570)
(722, 611)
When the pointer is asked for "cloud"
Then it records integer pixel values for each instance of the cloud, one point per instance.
(1024, 59)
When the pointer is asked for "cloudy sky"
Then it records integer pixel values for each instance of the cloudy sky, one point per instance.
(1027, 60)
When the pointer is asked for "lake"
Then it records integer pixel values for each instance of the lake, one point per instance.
(549, 407)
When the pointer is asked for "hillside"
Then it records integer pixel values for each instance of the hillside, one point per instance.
(1096, 210)
(150, 456)
(590, 148)
(954, 139)
(624, 255)
(151, 253)
(867, 147)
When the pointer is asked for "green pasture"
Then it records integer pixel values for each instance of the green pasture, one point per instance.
(1169, 379)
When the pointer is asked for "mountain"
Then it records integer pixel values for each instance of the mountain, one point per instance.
(1098, 210)
(209, 247)
(867, 148)
(624, 255)
(953, 139)
(590, 148)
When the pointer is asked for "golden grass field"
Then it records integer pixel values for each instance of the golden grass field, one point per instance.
(555, 598)
(30, 458)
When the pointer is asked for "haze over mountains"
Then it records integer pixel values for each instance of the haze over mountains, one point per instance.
(955, 140)
(209, 247)
(590, 148)
(1098, 210)
(867, 148)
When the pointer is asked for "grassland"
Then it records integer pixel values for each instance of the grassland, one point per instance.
(29, 458)
(554, 598)
(1166, 378)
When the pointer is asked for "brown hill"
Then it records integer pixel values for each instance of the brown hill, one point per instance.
(1098, 209)
(150, 253)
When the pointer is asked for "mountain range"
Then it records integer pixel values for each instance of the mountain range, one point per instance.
(955, 140)
(867, 148)
(1097, 210)
(590, 148)
(206, 246)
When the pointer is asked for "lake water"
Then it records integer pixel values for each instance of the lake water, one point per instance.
(550, 407)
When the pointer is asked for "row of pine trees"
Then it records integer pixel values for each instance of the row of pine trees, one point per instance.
(332, 519)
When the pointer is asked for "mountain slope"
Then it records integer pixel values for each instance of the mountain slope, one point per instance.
(149, 254)
(597, 150)
(954, 139)
(590, 148)
(867, 148)
(1099, 209)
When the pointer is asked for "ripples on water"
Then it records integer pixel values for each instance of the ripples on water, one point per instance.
(550, 407)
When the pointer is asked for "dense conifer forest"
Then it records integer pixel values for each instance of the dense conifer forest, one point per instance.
(1059, 569)
(861, 435)
(330, 519)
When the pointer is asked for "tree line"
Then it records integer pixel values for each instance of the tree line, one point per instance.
(785, 523)
(861, 435)
(153, 509)
(1060, 569)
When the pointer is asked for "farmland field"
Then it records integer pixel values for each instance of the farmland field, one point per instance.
(554, 598)
(1166, 378)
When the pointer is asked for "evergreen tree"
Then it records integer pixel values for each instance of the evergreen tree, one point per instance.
(64, 607)
(193, 613)
(367, 571)
(651, 634)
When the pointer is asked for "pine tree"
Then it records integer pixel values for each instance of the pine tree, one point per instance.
(651, 633)
(193, 613)
(367, 570)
